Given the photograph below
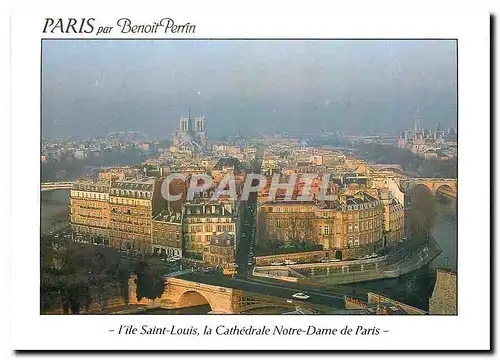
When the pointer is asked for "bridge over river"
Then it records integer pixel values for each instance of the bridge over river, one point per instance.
(236, 295)
(50, 186)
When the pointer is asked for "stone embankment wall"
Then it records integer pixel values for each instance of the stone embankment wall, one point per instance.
(444, 297)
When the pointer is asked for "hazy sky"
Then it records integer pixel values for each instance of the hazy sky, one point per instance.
(258, 86)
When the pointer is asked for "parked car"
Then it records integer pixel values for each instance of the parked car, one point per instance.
(276, 263)
(301, 296)
(290, 262)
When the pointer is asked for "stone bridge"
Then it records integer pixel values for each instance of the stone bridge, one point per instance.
(435, 185)
(48, 186)
(180, 293)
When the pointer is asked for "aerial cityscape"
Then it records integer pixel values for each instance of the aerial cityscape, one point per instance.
(249, 177)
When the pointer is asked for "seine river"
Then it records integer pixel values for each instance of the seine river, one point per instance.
(55, 209)
(414, 288)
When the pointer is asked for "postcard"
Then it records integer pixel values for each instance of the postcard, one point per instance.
(192, 164)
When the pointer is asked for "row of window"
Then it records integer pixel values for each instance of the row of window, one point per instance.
(87, 221)
(132, 229)
(208, 210)
(363, 206)
(208, 228)
(131, 221)
(209, 219)
(129, 202)
(301, 209)
(89, 216)
(364, 238)
(89, 195)
(128, 212)
(166, 241)
(89, 207)
(166, 234)
(290, 222)
(134, 193)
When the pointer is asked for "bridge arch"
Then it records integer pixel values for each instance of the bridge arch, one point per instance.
(415, 189)
(445, 187)
(449, 185)
(193, 298)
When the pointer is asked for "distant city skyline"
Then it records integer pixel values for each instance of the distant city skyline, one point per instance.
(90, 88)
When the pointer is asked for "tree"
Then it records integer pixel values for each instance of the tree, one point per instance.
(122, 275)
(422, 213)
(150, 282)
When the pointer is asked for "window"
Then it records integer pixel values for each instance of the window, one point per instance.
(326, 229)
(320, 230)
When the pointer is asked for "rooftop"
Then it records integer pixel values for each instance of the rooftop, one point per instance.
(91, 185)
(168, 216)
(226, 162)
(138, 184)
(215, 209)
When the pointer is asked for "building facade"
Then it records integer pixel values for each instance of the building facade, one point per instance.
(289, 222)
(201, 221)
(354, 222)
(220, 251)
(89, 211)
(167, 233)
(394, 218)
(132, 204)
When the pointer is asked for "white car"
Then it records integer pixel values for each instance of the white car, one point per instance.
(290, 262)
(276, 264)
(301, 296)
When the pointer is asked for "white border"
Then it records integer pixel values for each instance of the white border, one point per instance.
(469, 330)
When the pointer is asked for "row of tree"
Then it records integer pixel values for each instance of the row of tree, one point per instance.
(75, 275)
(411, 163)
